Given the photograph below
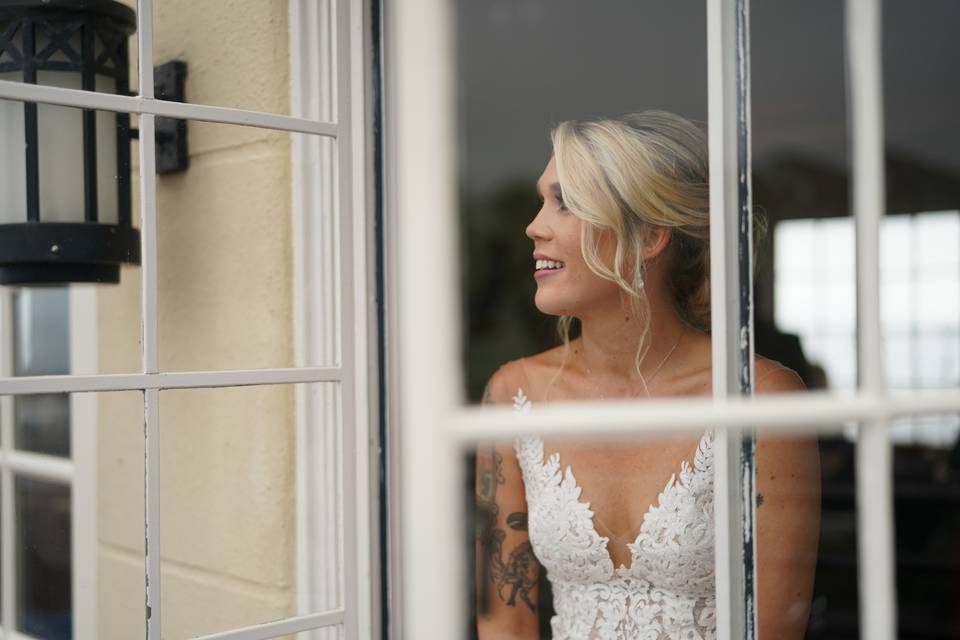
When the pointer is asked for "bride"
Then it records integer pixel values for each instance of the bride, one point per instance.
(625, 530)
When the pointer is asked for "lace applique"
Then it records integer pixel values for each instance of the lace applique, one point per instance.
(667, 593)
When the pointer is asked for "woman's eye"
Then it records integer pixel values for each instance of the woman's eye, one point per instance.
(561, 204)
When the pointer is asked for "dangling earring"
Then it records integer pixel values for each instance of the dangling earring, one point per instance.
(638, 280)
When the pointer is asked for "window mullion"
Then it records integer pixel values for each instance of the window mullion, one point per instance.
(731, 293)
(421, 147)
(874, 456)
(8, 559)
(151, 399)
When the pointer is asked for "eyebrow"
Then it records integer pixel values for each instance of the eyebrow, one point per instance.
(554, 188)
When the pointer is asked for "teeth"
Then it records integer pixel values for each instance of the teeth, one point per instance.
(548, 264)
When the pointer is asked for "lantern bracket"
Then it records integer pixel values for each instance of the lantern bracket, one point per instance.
(169, 80)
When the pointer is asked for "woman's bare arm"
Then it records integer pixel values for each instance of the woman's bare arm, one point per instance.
(788, 523)
(507, 571)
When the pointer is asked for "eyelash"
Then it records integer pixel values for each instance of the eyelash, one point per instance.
(561, 205)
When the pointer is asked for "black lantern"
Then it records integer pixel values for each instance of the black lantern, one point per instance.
(65, 172)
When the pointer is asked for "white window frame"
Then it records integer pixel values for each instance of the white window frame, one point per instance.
(348, 493)
(78, 472)
(436, 425)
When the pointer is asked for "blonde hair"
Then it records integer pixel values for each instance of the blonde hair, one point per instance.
(626, 176)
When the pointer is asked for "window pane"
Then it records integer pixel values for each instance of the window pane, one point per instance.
(518, 78)
(78, 328)
(229, 503)
(44, 559)
(920, 290)
(238, 56)
(92, 533)
(805, 292)
(226, 252)
(560, 544)
(42, 424)
(834, 607)
(119, 561)
(41, 335)
(41, 346)
(927, 491)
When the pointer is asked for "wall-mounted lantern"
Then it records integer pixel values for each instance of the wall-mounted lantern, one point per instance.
(65, 172)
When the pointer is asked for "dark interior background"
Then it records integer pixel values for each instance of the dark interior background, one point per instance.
(525, 65)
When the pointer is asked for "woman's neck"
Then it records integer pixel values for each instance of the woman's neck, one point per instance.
(609, 339)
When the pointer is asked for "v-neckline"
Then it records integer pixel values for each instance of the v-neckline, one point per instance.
(523, 403)
(623, 569)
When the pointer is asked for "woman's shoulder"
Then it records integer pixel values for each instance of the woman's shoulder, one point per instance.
(772, 377)
(530, 374)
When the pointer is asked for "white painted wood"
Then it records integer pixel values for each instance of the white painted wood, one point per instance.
(83, 447)
(10, 90)
(420, 57)
(151, 358)
(874, 468)
(167, 380)
(8, 566)
(149, 337)
(316, 303)
(346, 228)
(332, 313)
(151, 411)
(795, 413)
(37, 466)
(136, 104)
(144, 48)
(727, 60)
(281, 627)
(722, 131)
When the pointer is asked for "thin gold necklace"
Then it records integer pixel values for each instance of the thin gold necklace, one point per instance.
(646, 383)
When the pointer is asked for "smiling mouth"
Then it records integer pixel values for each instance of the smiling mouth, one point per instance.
(545, 266)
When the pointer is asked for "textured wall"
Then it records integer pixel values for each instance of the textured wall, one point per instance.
(225, 299)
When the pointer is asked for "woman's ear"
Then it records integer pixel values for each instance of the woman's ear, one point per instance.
(655, 242)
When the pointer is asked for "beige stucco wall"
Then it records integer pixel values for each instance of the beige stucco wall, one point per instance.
(225, 301)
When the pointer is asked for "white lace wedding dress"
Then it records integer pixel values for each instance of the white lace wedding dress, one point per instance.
(667, 593)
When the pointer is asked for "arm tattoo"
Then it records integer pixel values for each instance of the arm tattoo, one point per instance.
(759, 500)
(517, 575)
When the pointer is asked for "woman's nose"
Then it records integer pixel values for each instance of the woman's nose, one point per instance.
(538, 229)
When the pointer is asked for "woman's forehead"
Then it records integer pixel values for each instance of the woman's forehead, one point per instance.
(548, 180)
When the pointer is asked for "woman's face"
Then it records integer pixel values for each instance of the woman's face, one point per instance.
(565, 284)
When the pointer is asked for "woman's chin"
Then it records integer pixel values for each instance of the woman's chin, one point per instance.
(551, 307)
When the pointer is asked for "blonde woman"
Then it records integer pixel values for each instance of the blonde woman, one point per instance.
(625, 531)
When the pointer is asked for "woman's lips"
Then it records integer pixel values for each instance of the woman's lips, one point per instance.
(546, 273)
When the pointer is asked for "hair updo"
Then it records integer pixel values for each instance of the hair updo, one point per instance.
(627, 175)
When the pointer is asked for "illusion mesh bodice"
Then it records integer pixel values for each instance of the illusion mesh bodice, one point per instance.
(667, 593)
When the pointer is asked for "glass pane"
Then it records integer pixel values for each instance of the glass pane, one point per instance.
(516, 78)
(229, 506)
(92, 533)
(74, 328)
(834, 605)
(237, 55)
(120, 597)
(575, 536)
(927, 491)
(42, 424)
(41, 346)
(43, 554)
(226, 252)
(920, 267)
(65, 33)
(805, 293)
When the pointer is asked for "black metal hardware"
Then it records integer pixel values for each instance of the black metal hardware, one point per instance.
(87, 38)
(171, 134)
